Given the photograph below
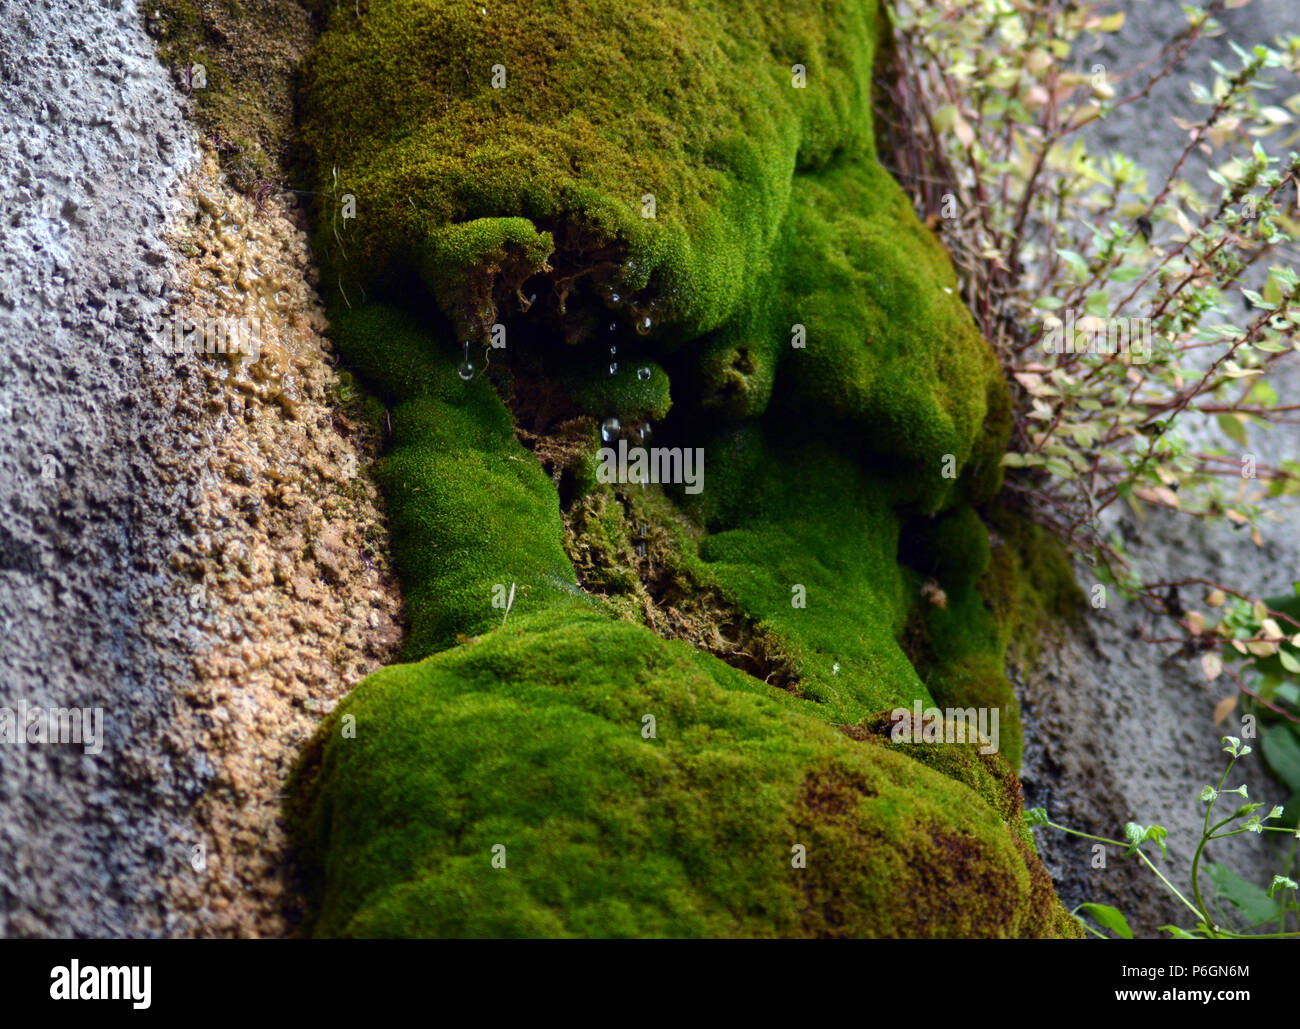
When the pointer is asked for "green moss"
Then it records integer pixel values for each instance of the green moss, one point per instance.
(601, 106)
(471, 511)
(243, 98)
(808, 547)
(952, 548)
(999, 599)
(806, 332)
(1032, 587)
(531, 745)
(635, 390)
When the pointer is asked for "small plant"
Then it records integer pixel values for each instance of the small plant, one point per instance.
(1138, 321)
(1253, 908)
(1115, 304)
(1261, 638)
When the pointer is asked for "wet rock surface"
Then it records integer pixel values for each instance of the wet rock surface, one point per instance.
(190, 548)
(93, 144)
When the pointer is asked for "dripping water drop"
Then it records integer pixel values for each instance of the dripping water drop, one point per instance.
(466, 369)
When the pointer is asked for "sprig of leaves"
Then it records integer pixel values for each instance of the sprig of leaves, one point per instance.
(1278, 907)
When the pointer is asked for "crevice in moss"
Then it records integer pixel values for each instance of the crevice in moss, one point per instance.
(626, 546)
(632, 548)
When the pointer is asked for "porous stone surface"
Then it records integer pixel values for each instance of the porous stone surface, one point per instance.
(187, 544)
(93, 144)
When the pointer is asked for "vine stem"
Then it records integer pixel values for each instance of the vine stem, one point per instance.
(1146, 860)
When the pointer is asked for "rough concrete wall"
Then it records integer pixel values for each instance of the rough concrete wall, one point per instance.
(93, 143)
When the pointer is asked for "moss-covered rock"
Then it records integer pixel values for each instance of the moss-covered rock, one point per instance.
(675, 212)
(535, 798)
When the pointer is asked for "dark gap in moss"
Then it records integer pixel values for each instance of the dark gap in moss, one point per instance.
(625, 550)
(583, 263)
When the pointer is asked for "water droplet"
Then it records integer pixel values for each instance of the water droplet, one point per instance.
(643, 325)
(613, 367)
(613, 326)
(466, 369)
(613, 350)
(643, 373)
(610, 429)
(615, 298)
(645, 432)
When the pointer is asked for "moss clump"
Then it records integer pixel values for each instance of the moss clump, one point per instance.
(1031, 587)
(472, 513)
(655, 141)
(995, 597)
(531, 746)
(807, 332)
(634, 390)
(769, 209)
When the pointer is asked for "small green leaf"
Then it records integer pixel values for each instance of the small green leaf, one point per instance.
(1136, 835)
(1036, 816)
(1076, 262)
(1108, 918)
(1255, 905)
(1282, 752)
(1233, 428)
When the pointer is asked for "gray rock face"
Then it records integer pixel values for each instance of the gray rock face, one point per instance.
(92, 142)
